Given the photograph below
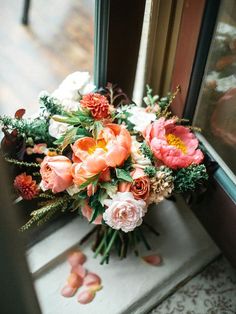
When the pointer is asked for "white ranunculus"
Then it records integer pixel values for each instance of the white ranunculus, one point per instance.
(124, 211)
(73, 86)
(136, 154)
(57, 129)
(140, 118)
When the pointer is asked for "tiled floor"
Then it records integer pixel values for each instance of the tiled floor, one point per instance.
(213, 291)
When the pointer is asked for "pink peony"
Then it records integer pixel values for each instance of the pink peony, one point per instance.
(56, 173)
(124, 211)
(173, 144)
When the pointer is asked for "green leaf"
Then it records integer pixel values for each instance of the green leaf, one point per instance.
(110, 188)
(102, 195)
(93, 180)
(69, 120)
(96, 205)
(68, 138)
(123, 175)
(97, 127)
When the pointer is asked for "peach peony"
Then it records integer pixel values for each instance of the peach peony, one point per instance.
(173, 144)
(124, 211)
(56, 173)
(97, 104)
(140, 187)
(110, 149)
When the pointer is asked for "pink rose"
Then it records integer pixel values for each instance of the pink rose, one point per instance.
(87, 213)
(124, 211)
(140, 187)
(56, 173)
(172, 144)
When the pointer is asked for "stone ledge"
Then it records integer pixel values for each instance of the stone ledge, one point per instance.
(130, 286)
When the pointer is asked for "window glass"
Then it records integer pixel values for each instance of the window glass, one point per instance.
(57, 41)
(216, 110)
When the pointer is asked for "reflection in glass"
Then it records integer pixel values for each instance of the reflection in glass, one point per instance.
(57, 41)
(216, 110)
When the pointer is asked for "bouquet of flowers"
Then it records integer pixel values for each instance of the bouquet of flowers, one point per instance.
(98, 153)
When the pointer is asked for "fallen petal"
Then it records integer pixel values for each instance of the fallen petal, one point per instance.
(74, 280)
(154, 260)
(85, 297)
(95, 288)
(76, 258)
(67, 291)
(91, 279)
(79, 270)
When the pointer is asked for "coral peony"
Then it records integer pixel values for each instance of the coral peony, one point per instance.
(26, 186)
(124, 211)
(97, 104)
(111, 149)
(173, 144)
(56, 173)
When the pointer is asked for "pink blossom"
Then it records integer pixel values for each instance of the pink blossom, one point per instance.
(124, 211)
(174, 145)
(56, 173)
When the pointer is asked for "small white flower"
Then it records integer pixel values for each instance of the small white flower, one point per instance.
(70, 90)
(124, 211)
(57, 129)
(136, 154)
(140, 118)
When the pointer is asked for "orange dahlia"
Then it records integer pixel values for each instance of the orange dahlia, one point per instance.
(26, 186)
(97, 104)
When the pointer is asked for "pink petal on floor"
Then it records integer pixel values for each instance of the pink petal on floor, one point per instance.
(74, 280)
(67, 291)
(95, 288)
(85, 296)
(76, 258)
(79, 270)
(154, 259)
(91, 279)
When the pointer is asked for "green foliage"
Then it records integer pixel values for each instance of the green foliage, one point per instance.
(50, 104)
(77, 118)
(146, 150)
(22, 163)
(93, 180)
(111, 188)
(95, 204)
(71, 136)
(128, 165)
(188, 179)
(123, 175)
(150, 171)
(44, 213)
(96, 128)
(150, 100)
(79, 200)
(122, 118)
(36, 129)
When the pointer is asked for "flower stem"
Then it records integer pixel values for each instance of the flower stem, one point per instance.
(102, 243)
(143, 238)
(107, 251)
